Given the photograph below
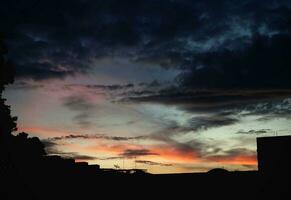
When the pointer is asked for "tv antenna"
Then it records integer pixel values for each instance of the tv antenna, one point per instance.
(123, 163)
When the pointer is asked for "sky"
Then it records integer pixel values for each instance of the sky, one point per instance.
(163, 85)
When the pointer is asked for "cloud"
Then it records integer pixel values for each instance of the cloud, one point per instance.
(207, 98)
(82, 106)
(271, 109)
(55, 39)
(216, 108)
(49, 144)
(111, 87)
(202, 123)
(111, 158)
(165, 147)
(137, 153)
(77, 156)
(220, 107)
(236, 156)
(95, 136)
(254, 132)
(147, 162)
(24, 85)
(77, 103)
(52, 149)
(264, 63)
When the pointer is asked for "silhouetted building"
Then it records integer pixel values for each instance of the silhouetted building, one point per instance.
(82, 164)
(274, 155)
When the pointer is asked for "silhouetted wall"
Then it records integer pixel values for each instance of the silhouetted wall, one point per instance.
(274, 155)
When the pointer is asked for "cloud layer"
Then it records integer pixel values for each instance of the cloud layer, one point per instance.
(225, 44)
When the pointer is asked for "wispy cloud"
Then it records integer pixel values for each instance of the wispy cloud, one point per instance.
(254, 132)
(82, 106)
(95, 136)
(147, 162)
(110, 158)
(198, 123)
(52, 149)
(137, 152)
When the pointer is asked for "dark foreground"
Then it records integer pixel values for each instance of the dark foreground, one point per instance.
(26, 172)
(35, 183)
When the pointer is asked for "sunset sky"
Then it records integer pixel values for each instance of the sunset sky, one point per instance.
(163, 85)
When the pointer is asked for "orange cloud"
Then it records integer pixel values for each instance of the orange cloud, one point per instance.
(166, 153)
(175, 155)
(235, 160)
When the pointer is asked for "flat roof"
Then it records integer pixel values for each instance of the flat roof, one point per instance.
(273, 138)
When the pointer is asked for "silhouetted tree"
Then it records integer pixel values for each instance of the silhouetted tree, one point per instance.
(28, 147)
(7, 123)
(13, 149)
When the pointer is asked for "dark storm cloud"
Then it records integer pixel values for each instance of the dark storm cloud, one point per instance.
(53, 39)
(220, 103)
(219, 107)
(206, 98)
(271, 109)
(265, 63)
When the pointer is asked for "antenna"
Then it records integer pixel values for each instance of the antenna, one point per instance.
(123, 162)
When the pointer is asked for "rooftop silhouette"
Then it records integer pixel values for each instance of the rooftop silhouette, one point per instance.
(274, 154)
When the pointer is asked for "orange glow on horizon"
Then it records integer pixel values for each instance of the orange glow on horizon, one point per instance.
(237, 160)
(157, 153)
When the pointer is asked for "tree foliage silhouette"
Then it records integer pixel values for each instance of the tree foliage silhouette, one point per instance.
(13, 149)
(8, 123)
